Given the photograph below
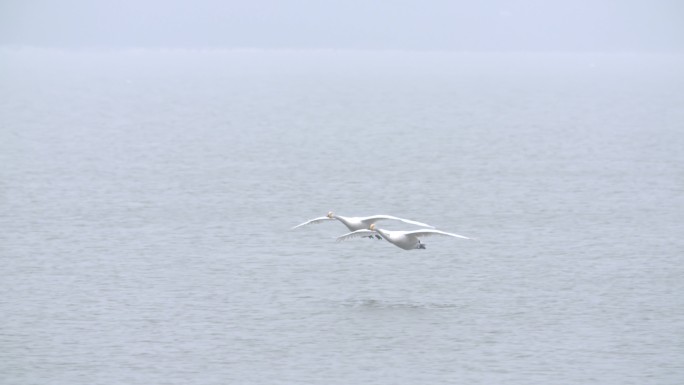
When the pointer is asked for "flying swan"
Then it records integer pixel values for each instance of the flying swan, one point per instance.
(360, 223)
(407, 240)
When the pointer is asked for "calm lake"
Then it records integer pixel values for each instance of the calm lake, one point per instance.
(146, 201)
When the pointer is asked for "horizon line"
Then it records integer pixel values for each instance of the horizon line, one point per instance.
(226, 49)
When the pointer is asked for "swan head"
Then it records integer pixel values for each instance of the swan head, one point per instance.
(330, 214)
(372, 226)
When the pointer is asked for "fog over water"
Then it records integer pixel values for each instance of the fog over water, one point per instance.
(149, 180)
(493, 25)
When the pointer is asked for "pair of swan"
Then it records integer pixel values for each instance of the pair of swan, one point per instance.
(364, 227)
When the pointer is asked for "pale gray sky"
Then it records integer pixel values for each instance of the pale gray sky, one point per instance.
(492, 25)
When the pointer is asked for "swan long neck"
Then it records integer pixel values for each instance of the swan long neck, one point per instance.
(341, 219)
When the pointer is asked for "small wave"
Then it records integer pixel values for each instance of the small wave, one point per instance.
(383, 304)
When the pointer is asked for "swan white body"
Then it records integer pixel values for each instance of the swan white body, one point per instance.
(359, 223)
(407, 240)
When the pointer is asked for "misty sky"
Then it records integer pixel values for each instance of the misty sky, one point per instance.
(492, 25)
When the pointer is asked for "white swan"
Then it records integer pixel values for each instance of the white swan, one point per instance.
(406, 240)
(360, 223)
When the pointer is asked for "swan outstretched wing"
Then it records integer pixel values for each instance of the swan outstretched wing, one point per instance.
(356, 234)
(431, 232)
(315, 220)
(375, 218)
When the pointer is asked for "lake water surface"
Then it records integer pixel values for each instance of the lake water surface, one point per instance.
(146, 199)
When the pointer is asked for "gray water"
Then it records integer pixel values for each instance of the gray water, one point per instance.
(147, 196)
